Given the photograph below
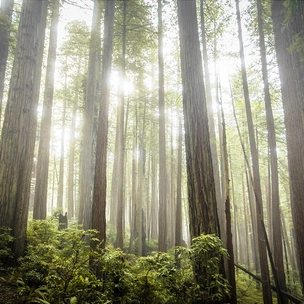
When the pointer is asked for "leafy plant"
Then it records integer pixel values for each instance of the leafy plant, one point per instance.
(5, 240)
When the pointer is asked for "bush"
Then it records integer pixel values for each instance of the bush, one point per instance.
(56, 269)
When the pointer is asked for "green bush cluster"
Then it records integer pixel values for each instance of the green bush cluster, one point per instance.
(56, 269)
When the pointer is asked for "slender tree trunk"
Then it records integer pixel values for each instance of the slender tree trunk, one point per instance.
(89, 113)
(6, 12)
(178, 218)
(100, 180)
(43, 158)
(71, 204)
(60, 192)
(162, 214)
(20, 122)
(230, 262)
(277, 230)
(256, 174)
(291, 69)
(121, 127)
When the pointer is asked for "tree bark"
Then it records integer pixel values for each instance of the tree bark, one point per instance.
(89, 114)
(291, 70)
(6, 12)
(201, 187)
(20, 122)
(100, 178)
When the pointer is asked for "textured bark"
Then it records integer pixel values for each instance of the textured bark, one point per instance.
(162, 211)
(6, 11)
(20, 122)
(275, 200)
(267, 297)
(201, 187)
(89, 113)
(291, 70)
(100, 178)
(211, 121)
(43, 158)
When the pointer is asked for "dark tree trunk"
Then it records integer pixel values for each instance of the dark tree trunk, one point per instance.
(291, 69)
(100, 178)
(201, 187)
(20, 122)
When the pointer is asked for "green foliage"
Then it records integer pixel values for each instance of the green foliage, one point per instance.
(248, 290)
(56, 269)
(5, 240)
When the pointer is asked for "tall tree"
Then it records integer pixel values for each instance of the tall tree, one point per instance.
(162, 211)
(6, 12)
(100, 180)
(20, 121)
(288, 31)
(203, 217)
(201, 187)
(276, 225)
(87, 150)
(255, 170)
(121, 138)
(43, 158)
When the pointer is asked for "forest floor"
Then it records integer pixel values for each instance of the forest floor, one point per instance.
(9, 293)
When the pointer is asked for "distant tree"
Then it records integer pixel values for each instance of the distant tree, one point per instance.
(162, 204)
(20, 121)
(255, 178)
(288, 30)
(43, 158)
(275, 197)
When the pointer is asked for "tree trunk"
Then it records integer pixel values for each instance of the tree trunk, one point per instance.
(201, 187)
(100, 180)
(291, 70)
(20, 122)
(162, 213)
(90, 104)
(121, 137)
(230, 262)
(275, 198)
(255, 170)
(6, 12)
(178, 218)
(43, 158)
(71, 204)
(60, 192)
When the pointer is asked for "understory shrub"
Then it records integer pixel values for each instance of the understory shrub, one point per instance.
(56, 269)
